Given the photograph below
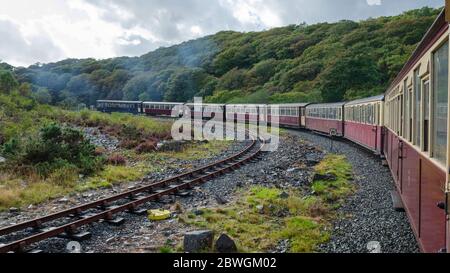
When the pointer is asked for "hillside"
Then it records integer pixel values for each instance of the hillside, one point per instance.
(321, 62)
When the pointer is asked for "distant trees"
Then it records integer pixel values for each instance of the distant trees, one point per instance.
(42, 95)
(296, 63)
(7, 81)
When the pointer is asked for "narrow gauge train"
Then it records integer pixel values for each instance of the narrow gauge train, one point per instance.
(408, 126)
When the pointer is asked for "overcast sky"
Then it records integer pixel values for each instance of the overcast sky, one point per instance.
(49, 30)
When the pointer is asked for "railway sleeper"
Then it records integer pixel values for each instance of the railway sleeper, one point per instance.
(79, 237)
(35, 251)
(117, 221)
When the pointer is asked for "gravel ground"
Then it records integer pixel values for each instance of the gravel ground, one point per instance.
(368, 215)
(291, 165)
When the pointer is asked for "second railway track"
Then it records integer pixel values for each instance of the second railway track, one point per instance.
(68, 222)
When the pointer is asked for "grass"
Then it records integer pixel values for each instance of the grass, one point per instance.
(198, 151)
(333, 191)
(260, 217)
(260, 232)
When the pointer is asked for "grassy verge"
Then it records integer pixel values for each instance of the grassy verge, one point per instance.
(31, 176)
(262, 217)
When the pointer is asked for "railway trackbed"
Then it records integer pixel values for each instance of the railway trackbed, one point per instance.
(67, 223)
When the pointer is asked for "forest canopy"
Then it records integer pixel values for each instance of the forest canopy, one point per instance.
(325, 62)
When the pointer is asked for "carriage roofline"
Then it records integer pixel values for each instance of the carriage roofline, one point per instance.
(119, 101)
(163, 103)
(366, 100)
(322, 105)
(290, 104)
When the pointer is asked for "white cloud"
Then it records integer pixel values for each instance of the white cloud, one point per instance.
(50, 30)
(373, 2)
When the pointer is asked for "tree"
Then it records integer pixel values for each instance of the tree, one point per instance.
(7, 81)
(25, 89)
(43, 96)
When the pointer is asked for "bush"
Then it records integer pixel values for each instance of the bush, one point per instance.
(146, 147)
(53, 148)
(117, 160)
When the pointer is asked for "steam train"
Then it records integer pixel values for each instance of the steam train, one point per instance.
(407, 126)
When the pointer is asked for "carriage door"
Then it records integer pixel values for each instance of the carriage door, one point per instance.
(400, 142)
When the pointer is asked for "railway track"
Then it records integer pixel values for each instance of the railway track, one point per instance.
(67, 223)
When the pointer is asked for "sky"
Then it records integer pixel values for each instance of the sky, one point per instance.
(50, 30)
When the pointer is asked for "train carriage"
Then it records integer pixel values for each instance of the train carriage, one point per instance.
(206, 110)
(160, 108)
(110, 106)
(363, 122)
(246, 113)
(289, 115)
(326, 118)
(416, 139)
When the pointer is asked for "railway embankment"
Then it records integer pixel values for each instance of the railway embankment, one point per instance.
(367, 215)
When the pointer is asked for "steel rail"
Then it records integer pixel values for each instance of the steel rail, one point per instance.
(108, 212)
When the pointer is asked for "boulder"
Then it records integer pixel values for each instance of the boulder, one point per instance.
(225, 244)
(13, 210)
(198, 241)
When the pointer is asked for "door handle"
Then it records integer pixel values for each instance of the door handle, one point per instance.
(441, 205)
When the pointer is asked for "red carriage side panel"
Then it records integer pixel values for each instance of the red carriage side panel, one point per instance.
(432, 218)
(421, 186)
(289, 121)
(409, 185)
(325, 125)
(364, 134)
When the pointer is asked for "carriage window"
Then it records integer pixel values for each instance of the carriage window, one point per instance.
(417, 100)
(410, 114)
(426, 114)
(400, 127)
(406, 107)
(440, 103)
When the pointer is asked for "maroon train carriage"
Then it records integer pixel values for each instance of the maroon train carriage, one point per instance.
(289, 115)
(119, 106)
(206, 110)
(326, 118)
(160, 108)
(363, 122)
(246, 113)
(416, 139)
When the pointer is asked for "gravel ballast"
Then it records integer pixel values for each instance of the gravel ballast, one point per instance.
(368, 215)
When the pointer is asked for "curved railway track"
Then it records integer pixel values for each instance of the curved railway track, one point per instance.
(68, 222)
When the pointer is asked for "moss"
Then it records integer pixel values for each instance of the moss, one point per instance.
(334, 191)
(256, 232)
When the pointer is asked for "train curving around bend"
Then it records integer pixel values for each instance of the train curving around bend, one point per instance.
(407, 126)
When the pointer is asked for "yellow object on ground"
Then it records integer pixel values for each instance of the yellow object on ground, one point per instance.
(158, 214)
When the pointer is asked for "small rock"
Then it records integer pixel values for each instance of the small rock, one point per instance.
(197, 241)
(291, 170)
(63, 200)
(225, 244)
(284, 195)
(198, 212)
(326, 177)
(220, 200)
(13, 210)
(260, 209)
(2, 159)
(312, 159)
